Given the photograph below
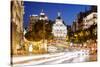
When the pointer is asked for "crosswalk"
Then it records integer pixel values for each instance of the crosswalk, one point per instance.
(64, 57)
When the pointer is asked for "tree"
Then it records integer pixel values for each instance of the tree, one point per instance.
(38, 31)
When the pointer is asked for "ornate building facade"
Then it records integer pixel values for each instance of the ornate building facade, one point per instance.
(59, 29)
(17, 11)
(89, 20)
(32, 20)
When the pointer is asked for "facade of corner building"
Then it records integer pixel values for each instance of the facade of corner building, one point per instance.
(17, 11)
(90, 20)
(59, 29)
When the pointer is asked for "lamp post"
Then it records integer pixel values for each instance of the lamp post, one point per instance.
(43, 18)
(43, 32)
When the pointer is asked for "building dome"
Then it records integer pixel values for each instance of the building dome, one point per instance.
(43, 16)
(59, 17)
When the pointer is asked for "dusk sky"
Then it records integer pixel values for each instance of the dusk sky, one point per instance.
(68, 11)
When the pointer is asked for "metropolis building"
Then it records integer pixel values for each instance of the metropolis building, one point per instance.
(17, 12)
(59, 29)
(90, 20)
(34, 18)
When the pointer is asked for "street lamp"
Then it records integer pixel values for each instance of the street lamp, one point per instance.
(43, 18)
